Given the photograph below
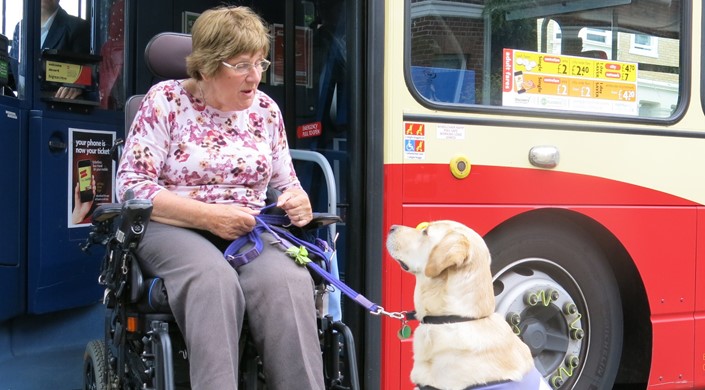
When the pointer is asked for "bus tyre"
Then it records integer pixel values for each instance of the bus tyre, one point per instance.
(95, 366)
(557, 291)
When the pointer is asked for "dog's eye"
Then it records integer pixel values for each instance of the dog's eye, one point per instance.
(425, 232)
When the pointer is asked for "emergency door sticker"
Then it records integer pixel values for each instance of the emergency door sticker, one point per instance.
(308, 130)
(552, 81)
(414, 141)
(91, 174)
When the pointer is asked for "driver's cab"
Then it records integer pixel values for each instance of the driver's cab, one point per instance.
(61, 93)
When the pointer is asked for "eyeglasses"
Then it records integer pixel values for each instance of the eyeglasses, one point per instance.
(246, 67)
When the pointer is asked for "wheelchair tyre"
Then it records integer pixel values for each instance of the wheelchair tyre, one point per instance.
(96, 371)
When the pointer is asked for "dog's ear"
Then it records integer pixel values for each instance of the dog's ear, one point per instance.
(451, 251)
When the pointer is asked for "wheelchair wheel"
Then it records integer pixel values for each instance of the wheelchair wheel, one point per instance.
(96, 371)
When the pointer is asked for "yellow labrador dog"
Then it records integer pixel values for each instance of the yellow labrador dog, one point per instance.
(460, 342)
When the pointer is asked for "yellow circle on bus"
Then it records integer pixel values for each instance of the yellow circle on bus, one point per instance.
(460, 166)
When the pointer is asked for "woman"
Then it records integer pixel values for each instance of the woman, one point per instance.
(204, 150)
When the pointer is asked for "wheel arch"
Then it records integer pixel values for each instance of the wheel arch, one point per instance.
(635, 362)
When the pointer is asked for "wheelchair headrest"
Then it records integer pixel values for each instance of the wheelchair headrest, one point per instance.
(166, 53)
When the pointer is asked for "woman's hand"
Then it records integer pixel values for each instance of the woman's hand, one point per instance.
(230, 222)
(226, 221)
(295, 203)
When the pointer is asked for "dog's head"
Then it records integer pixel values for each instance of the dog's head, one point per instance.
(432, 248)
(450, 261)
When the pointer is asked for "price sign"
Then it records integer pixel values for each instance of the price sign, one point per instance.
(551, 81)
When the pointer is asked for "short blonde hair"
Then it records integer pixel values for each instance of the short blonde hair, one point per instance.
(222, 33)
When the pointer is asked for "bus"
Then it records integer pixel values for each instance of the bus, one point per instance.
(568, 133)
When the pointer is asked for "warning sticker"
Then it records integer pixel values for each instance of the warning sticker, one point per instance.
(414, 140)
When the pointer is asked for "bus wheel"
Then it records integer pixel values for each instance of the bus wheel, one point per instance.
(95, 366)
(559, 295)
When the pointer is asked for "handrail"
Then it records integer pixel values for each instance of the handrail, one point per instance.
(318, 158)
(334, 297)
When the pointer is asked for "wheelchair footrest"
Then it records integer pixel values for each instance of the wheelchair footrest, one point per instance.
(160, 346)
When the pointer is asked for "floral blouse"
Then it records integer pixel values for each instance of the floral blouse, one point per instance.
(178, 143)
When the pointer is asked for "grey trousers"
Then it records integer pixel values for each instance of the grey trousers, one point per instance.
(209, 298)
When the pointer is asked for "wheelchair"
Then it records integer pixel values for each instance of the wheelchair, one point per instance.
(143, 347)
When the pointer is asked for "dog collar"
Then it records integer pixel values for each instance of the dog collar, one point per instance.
(490, 386)
(438, 320)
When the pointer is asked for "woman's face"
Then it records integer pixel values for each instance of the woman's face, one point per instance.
(235, 90)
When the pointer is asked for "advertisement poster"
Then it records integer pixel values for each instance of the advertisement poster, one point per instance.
(552, 81)
(91, 173)
(304, 59)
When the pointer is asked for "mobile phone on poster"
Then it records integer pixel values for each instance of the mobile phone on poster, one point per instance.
(85, 175)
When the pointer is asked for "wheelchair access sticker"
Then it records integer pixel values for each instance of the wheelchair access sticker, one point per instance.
(414, 141)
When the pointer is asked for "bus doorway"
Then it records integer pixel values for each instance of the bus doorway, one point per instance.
(319, 58)
(320, 85)
(55, 152)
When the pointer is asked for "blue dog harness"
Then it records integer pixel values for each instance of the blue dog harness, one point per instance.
(531, 381)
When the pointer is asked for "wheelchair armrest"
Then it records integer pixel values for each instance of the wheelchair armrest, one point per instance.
(105, 212)
(321, 220)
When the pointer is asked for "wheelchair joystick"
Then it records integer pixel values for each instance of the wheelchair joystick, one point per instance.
(135, 217)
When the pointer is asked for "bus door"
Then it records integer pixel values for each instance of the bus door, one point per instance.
(316, 55)
(329, 122)
(309, 82)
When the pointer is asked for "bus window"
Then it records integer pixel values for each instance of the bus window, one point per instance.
(557, 56)
(112, 37)
(63, 34)
(70, 42)
(12, 12)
